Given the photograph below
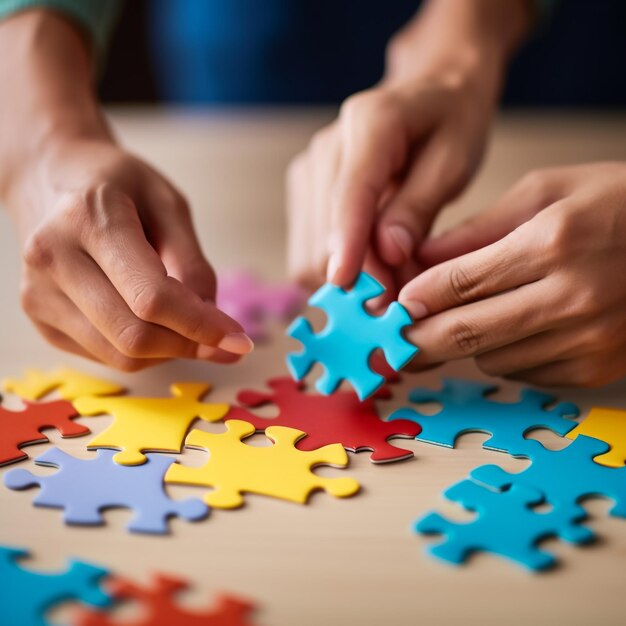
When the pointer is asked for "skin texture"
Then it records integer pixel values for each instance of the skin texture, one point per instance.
(112, 268)
(365, 192)
(532, 288)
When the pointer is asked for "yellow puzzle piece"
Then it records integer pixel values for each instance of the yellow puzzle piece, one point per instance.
(279, 471)
(609, 425)
(147, 424)
(69, 383)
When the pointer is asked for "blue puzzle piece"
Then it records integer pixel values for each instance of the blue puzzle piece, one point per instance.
(25, 595)
(505, 525)
(467, 409)
(564, 476)
(350, 337)
(84, 488)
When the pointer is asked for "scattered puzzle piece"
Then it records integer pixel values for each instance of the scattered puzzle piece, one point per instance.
(350, 337)
(505, 525)
(467, 408)
(279, 471)
(564, 476)
(84, 488)
(338, 418)
(159, 608)
(69, 383)
(25, 595)
(608, 425)
(21, 428)
(253, 302)
(154, 424)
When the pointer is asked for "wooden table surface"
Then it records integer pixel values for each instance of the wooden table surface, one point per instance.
(336, 561)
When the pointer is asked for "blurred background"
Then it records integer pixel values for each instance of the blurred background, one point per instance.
(239, 52)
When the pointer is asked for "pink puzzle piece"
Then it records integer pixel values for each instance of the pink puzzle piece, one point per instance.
(253, 302)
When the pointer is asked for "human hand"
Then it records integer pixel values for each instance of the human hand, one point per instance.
(533, 288)
(364, 194)
(112, 268)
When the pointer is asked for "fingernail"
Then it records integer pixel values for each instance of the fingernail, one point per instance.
(205, 353)
(402, 238)
(237, 343)
(416, 309)
(333, 266)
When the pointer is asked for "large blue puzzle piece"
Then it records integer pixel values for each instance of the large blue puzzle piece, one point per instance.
(505, 525)
(84, 488)
(564, 476)
(25, 595)
(467, 409)
(350, 337)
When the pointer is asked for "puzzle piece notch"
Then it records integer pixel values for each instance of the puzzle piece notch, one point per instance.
(22, 428)
(350, 337)
(338, 418)
(279, 471)
(253, 302)
(565, 477)
(467, 408)
(26, 595)
(608, 425)
(505, 525)
(85, 488)
(159, 607)
(150, 424)
(70, 384)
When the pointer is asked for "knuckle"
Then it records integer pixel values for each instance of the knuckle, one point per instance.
(39, 250)
(135, 340)
(369, 104)
(466, 337)
(148, 302)
(536, 184)
(462, 284)
(125, 363)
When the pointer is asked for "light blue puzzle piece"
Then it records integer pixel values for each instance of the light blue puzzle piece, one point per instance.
(563, 476)
(350, 337)
(25, 595)
(505, 525)
(84, 488)
(466, 408)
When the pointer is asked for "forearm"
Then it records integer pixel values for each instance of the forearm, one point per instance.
(459, 38)
(48, 71)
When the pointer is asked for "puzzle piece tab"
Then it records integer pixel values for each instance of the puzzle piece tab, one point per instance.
(159, 607)
(350, 337)
(253, 303)
(21, 428)
(505, 525)
(608, 425)
(279, 471)
(338, 418)
(564, 476)
(26, 595)
(84, 488)
(69, 383)
(155, 424)
(467, 408)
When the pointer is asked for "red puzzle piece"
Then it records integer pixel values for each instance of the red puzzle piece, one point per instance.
(158, 607)
(338, 418)
(20, 428)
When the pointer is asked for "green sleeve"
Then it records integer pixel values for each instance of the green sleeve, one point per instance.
(95, 17)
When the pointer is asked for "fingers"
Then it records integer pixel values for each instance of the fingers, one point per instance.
(137, 273)
(178, 247)
(486, 325)
(375, 137)
(505, 264)
(438, 173)
(533, 193)
(587, 371)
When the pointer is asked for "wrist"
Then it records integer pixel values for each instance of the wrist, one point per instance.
(469, 41)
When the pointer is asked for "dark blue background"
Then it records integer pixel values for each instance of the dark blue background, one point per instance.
(320, 51)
